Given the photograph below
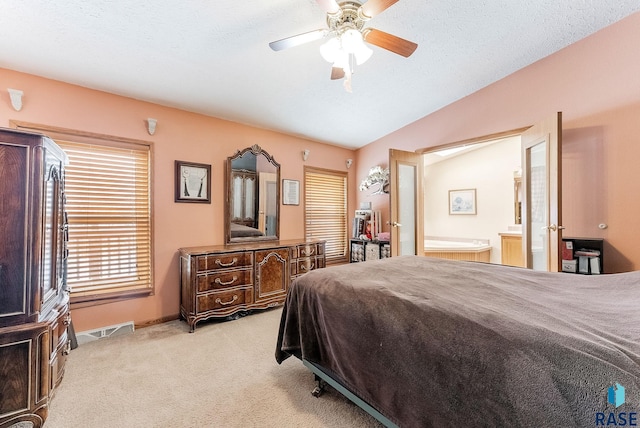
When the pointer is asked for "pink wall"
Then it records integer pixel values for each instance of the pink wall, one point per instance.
(596, 84)
(179, 135)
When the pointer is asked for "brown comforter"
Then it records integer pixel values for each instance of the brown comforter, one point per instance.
(438, 343)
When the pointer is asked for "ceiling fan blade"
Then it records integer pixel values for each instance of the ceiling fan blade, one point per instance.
(300, 39)
(329, 6)
(337, 73)
(373, 7)
(389, 42)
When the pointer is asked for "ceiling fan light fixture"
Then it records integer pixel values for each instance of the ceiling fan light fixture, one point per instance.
(337, 49)
(330, 49)
(346, 47)
(353, 43)
(351, 40)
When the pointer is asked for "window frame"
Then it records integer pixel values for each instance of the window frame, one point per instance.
(344, 176)
(105, 294)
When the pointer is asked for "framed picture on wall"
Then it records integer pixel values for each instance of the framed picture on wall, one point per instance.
(290, 192)
(193, 182)
(462, 202)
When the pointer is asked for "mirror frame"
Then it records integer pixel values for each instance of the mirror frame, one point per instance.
(517, 196)
(257, 151)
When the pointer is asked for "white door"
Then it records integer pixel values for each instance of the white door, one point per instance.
(406, 211)
(268, 183)
(541, 204)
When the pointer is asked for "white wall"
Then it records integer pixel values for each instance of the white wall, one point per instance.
(490, 171)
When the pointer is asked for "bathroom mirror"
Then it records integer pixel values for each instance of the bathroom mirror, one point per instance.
(253, 196)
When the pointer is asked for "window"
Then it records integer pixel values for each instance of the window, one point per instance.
(108, 207)
(107, 190)
(325, 202)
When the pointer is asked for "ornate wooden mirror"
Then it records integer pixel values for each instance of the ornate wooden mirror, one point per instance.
(252, 209)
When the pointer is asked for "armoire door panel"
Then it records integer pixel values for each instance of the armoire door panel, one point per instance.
(14, 172)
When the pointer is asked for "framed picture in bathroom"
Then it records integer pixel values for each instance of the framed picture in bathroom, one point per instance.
(462, 202)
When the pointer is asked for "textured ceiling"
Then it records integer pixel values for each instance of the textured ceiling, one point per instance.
(212, 57)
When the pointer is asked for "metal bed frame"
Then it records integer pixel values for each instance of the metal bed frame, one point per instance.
(323, 378)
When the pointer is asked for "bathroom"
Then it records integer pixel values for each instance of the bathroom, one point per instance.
(470, 201)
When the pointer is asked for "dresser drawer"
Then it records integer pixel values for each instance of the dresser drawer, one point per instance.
(224, 261)
(224, 299)
(304, 265)
(306, 250)
(225, 279)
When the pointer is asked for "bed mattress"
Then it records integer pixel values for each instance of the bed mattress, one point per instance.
(434, 343)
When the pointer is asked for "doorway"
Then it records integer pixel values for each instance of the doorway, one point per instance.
(486, 173)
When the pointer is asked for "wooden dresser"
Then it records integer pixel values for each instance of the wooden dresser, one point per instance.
(34, 302)
(222, 280)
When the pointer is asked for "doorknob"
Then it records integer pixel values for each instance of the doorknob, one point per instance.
(395, 224)
(552, 227)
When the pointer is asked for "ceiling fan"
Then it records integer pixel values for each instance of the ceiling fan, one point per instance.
(346, 32)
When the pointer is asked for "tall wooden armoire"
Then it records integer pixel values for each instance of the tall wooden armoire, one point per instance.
(34, 301)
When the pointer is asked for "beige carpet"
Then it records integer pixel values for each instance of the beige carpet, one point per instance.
(223, 375)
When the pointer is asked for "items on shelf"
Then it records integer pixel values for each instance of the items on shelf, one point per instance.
(364, 249)
(582, 255)
(366, 224)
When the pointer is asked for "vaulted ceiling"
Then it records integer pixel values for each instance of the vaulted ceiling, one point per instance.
(212, 57)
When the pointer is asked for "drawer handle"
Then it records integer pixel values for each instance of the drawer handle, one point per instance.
(233, 262)
(311, 253)
(304, 267)
(219, 281)
(220, 302)
(67, 320)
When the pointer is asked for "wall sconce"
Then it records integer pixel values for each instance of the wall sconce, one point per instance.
(349, 162)
(16, 98)
(305, 154)
(151, 125)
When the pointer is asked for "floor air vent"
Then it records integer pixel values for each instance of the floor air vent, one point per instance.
(109, 331)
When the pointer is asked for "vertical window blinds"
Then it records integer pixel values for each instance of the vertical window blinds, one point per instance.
(325, 201)
(108, 203)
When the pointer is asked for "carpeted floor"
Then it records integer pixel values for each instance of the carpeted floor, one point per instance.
(223, 375)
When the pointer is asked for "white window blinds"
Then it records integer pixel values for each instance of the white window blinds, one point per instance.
(108, 204)
(325, 199)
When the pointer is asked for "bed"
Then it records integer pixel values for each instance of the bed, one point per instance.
(428, 342)
(242, 231)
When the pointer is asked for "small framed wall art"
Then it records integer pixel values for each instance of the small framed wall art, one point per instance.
(290, 192)
(193, 182)
(462, 202)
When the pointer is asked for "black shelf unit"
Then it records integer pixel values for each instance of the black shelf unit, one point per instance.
(589, 264)
(362, 250)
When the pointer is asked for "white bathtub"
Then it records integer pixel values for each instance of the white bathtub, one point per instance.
(458, 249)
